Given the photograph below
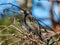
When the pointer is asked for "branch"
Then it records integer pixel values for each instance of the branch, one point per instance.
(12, 5)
